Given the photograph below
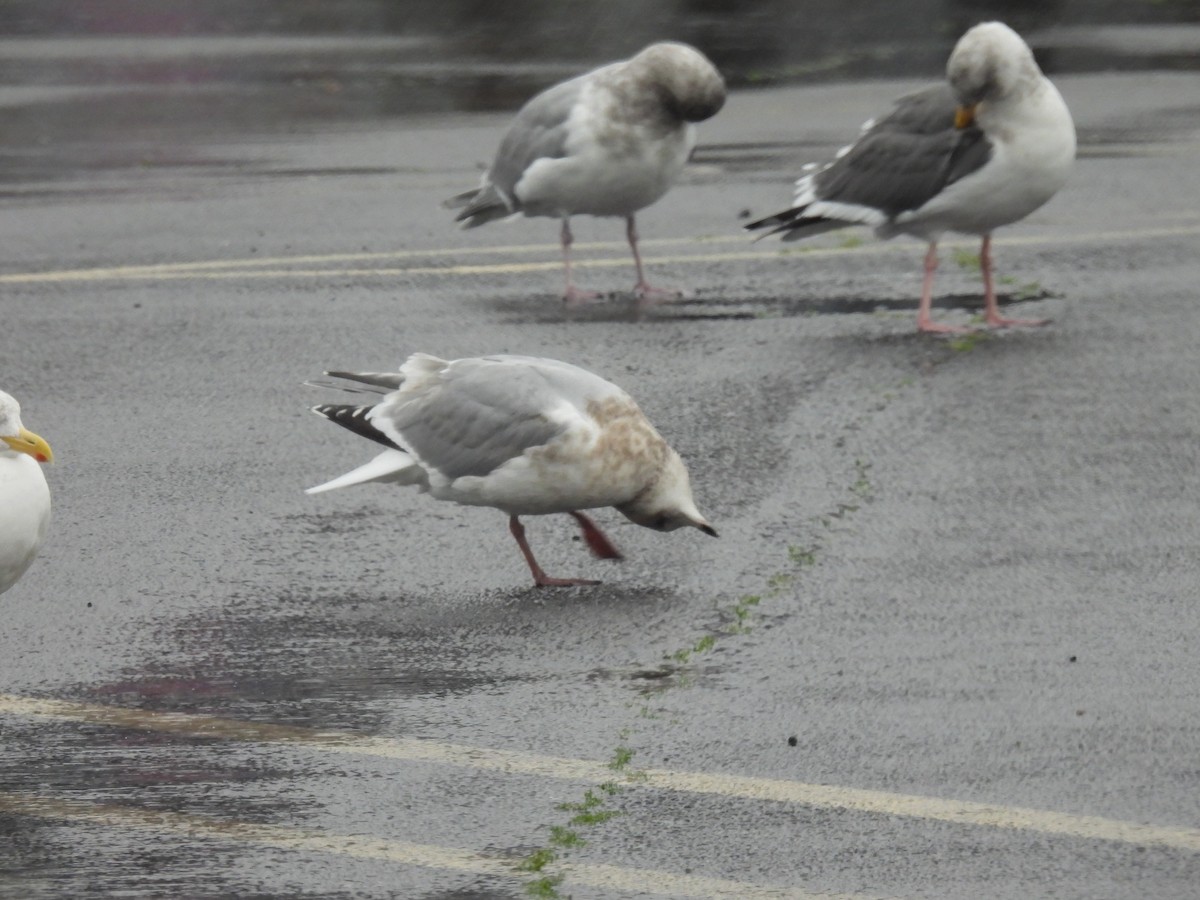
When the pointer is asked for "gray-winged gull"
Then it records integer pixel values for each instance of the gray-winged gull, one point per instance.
(24, 495)
(524, 435)
(607, 143)
(984, 150)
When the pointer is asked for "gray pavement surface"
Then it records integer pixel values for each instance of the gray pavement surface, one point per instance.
(945, 646)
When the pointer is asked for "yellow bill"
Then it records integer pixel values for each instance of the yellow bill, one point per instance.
(28, 442)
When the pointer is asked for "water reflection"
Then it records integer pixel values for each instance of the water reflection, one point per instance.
(320, 666)
(129, 72)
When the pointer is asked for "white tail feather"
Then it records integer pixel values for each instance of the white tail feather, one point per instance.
(394, 466)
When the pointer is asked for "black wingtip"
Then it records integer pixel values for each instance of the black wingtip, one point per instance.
(354, 418)
(783, 219)
(458, 201)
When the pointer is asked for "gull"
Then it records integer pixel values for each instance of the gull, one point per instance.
(983, 150)
(606, 143)
(524, 435)
(24, 495)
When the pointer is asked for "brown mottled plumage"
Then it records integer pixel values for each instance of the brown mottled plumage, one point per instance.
(524, 435)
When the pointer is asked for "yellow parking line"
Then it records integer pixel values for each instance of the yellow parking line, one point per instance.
(280, 267)
(208, 265)
(963, 812)
(429, 856)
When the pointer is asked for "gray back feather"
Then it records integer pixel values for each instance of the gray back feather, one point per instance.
(538, 132)
(906, 158)
(476, 415)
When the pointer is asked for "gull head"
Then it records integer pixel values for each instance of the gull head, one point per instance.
(666, 503)
(990, 62)
(18, 438)
(689, 86)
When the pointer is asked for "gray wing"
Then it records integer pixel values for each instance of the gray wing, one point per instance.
(564, 381)
(478, 415)
(539, 131)
(907, 158)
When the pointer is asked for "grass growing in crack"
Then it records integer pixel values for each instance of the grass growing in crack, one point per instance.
(586, 813)
(705, 643)
(741, 613)
(862, 484)
(966, 259)
(537, 860)
(702, 645)
(594, 817)
(621, 759)
(777, 582)
(964, 343)
(1026, 291)
(802, 556)
(545, 888)
(738, 615)
(594, 809)
(562, 836)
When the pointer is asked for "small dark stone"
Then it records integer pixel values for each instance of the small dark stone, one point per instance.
(792, 742)
(1071, 658)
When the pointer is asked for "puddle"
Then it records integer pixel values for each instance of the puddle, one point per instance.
(726, 306)
(319, 665)
(118, 84)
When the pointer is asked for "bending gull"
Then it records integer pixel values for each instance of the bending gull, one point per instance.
(607, 143)
(523, 435)
(984, 150)
(24, 495)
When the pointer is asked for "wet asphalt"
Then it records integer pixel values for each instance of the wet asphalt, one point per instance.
(945, 646)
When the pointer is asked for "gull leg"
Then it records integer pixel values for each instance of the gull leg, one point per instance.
(991, 308)
(597, 540)
(572, 295)
(924, 319)
(643, 290)
(540, 578)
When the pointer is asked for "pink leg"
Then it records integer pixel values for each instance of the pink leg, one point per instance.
(540, 578)
(924, 318)
(597, 540)
(643, 290)
(572, 295)
(991, 308)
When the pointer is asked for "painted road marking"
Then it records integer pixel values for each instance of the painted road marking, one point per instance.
(962, 812)
(203, 267)
(278, 267)
(429, 856)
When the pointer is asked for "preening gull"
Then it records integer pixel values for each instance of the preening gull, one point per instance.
(607, 143)
(526, 436)
(983, 150)
(24, 495)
